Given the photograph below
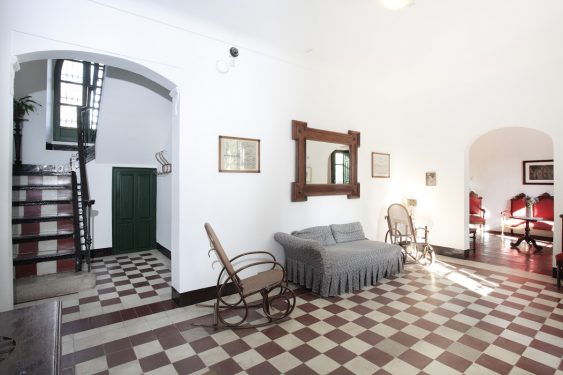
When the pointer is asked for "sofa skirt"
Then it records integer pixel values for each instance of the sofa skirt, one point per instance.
(336, 281)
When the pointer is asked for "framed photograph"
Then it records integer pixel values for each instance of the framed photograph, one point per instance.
(537, 172)
(430, 178)
(239, 154)
(380, 165)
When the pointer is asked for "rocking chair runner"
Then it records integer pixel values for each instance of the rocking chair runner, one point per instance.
(277, 300)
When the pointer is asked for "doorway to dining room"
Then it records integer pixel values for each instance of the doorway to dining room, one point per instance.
(500, 173)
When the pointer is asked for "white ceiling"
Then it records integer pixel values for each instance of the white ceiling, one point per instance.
(361, 34)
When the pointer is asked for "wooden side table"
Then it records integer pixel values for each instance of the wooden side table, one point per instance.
(526, 237)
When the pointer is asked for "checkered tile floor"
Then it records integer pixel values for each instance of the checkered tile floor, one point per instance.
(449, 319)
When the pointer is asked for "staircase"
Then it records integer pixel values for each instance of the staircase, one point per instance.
(46, 223)
(51, 224)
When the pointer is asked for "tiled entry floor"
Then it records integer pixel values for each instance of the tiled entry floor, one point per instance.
(453, 318)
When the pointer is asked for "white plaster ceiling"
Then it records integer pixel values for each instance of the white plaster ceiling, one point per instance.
(361, 34)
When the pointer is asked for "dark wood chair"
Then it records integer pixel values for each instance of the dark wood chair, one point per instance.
(270, 286)
(476, 211)
(559, 263)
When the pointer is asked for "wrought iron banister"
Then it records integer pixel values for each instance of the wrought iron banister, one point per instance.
(83, 137)
(76, 224)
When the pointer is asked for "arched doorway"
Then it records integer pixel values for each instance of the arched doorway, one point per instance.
(497, 162)
(136, 69)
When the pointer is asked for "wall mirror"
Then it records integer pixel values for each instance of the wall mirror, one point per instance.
(326, 162)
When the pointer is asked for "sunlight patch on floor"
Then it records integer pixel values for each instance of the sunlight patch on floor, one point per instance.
(469, 281)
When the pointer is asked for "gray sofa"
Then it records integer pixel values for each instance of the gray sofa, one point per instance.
(336, 259)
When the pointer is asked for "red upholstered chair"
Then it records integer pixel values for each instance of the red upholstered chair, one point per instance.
(476, 212)
(517, 208)
(518, 205)
(544, 208)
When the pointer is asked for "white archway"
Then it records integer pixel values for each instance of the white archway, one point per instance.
(144, 71)
(493, 169)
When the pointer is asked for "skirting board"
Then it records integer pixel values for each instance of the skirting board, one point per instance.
(164, 251)
(200, 295)
(451, 252)
(106, 251)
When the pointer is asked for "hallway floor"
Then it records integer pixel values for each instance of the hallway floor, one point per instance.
(457, 317)
(495, 249)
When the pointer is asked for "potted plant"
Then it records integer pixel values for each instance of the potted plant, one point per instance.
(22, 107)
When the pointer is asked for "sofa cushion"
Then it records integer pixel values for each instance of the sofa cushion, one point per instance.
(543, 225)
(323, 234)
(348, 232)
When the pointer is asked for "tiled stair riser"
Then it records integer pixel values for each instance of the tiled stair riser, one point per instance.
(47, 227)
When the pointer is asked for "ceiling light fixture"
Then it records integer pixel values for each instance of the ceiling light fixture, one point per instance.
(396, 4)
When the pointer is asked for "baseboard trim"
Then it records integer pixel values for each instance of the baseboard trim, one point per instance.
(164, 251)
(541, 238)
(451, 252)
(101, 252)
(199, 295)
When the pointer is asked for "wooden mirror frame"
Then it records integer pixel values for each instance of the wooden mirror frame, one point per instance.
(300, 190)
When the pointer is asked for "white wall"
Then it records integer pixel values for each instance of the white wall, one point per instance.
(6, 157)
(450, 73)
(31, 79)
(445, 77)
(496, 168)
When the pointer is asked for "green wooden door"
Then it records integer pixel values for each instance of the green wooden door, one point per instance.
(134, 209)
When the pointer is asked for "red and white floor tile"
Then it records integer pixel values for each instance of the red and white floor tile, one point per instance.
(455, 317)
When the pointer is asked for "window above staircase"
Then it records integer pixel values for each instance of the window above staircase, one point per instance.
(77, 85)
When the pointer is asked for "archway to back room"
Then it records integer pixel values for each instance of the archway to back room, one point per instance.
(134, 123)
(510, 169)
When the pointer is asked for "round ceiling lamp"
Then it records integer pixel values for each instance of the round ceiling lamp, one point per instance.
(396, 4)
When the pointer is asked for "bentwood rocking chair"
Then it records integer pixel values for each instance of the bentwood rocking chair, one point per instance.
(267, 289)
(403, 233)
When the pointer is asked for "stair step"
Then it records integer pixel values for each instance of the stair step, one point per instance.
(42, 202)
(43, 256)
(42, 187)
(43, 236)
(40, 173)
(36, 219)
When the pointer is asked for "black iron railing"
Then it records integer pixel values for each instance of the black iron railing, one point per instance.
(85, 140)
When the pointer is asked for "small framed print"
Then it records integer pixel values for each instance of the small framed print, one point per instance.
(239, 154)
(537, 172)
(380, 165)
(430, 178)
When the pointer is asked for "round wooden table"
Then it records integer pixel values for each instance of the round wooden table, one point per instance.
(526, 237)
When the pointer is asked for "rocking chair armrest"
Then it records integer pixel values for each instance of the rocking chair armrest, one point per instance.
(273, 263)
(253, 253)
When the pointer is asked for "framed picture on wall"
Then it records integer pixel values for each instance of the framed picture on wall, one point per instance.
(537, 172)
(380, 165)
(239, 154)
(430, 178)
